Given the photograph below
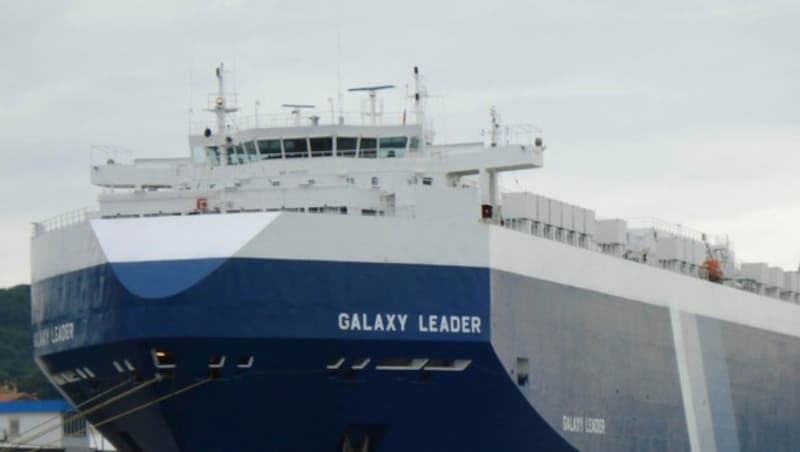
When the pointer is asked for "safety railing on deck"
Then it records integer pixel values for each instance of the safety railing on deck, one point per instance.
(64, 220)
(668, 227)
(265, 120)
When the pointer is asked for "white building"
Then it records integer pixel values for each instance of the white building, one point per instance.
(47, 425)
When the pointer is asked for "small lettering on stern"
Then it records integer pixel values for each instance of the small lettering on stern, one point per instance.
(580, 424)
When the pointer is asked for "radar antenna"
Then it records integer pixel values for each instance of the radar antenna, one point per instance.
(372, 90)
(297, 111)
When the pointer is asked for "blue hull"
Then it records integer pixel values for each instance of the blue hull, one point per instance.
(285, 315)
(590, 357)
(288, 401)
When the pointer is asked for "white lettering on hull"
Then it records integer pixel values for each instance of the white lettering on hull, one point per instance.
(580, 424)
(372, 322)
(54, 335)
(433, 323)
(395, 322)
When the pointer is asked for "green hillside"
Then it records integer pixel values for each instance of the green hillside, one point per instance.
(16, 349)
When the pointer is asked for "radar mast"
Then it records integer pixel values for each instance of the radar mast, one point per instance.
(221, 107)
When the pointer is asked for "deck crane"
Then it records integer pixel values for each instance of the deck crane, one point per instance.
(712, 266)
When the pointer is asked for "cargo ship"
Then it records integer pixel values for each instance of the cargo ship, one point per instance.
(347, 284)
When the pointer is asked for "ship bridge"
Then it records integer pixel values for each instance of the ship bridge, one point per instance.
(298, 162)
(313, 141)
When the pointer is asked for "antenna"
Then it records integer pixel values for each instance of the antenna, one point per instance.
(339, 66)
(372, 90)
(495, 125)
(297, 110)
(333, 115)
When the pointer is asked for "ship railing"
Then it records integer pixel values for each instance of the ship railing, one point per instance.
(64, 220)
(109, 154)
(271, 120)
(670, 228)
(511, 134)
(522, 134)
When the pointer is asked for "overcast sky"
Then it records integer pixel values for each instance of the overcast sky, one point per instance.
(682, 110)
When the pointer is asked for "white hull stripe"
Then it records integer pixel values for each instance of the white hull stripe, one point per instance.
(178, 238)
(548, 260)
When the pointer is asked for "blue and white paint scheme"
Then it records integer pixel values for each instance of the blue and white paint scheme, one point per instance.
(341, 287)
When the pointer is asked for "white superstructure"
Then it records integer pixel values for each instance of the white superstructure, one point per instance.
(368, 168)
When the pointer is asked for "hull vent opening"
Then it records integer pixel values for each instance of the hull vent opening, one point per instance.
(402, 363)
(335, 363)
(523, 370)
(216, 361)
(163, 359)
(447, 365)
(215, 365)
(360, 363)
(245, 362)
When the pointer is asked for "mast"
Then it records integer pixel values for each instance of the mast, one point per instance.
(419, 104)
(420, 98)
(221, 108)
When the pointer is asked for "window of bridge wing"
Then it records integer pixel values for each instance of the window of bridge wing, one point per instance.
(241, 157)
(321, 146)
(414, 145)
(295, 148)
(269, 149)
(230, 155)
(368, 148)
(250, 149)
(346, 146)
(212, 152)
(392, 146)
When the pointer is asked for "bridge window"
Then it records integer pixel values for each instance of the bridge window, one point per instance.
(212, 152)
(229, 154)
(269, 149)
(232, 156)
(414, 144)
(199, 154)
(346, 146)
(393, 146)
(368, 148)
(295, 148)
(252, 153)
(241, 157)
(321, 147)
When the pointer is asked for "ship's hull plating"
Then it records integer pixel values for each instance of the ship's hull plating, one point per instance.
(551, 366)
